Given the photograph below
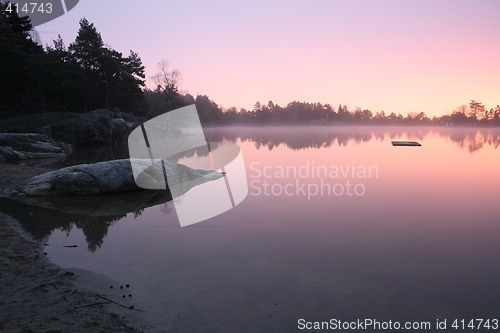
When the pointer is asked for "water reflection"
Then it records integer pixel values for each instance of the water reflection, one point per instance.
(475, 140)
(296, 138)
(419, 245)
(115, 151)
(93, 215)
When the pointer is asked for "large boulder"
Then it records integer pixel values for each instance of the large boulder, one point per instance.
(22, 146)
(114, 176)
(80, 129)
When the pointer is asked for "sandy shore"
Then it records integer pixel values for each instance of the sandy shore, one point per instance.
(37, 296)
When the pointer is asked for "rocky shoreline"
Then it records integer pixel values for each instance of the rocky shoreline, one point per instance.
(38, 296)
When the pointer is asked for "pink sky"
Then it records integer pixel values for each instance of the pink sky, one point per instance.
(396, 56)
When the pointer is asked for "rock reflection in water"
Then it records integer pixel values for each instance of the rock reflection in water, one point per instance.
(94, 215)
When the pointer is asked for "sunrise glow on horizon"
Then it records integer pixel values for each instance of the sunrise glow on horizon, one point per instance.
(396, 56)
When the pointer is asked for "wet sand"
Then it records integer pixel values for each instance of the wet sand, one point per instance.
(37, 296)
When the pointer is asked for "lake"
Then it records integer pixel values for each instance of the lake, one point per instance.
(337, 224)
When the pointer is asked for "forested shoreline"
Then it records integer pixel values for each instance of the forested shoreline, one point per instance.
(87, 75)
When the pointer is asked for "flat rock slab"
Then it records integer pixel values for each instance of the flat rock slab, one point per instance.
(22, 146)
(406, 143)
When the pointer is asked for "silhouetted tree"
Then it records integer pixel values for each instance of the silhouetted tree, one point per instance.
(231, 116)
(108, 79)
(62, 79)
(167, 83)
(21, 64)
(87, 51)
(344, 114)
(496, 115)
(476, 110)
(458, 117)
(128, 93)
(209, 112)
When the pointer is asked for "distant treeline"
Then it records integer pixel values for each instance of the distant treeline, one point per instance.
(324, 114)
(89, 75)
(296, 113)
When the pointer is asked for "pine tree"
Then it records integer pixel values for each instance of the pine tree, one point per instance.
(21, 67)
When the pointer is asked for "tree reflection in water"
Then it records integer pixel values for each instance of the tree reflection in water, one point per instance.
(94, 215)
(302, 137)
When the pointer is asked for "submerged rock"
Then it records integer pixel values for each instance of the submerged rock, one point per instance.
(22, 146)
(111, 177)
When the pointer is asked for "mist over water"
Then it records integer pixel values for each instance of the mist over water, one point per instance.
(419, 243)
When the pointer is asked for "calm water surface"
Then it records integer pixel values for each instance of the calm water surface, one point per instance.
(417, 238)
